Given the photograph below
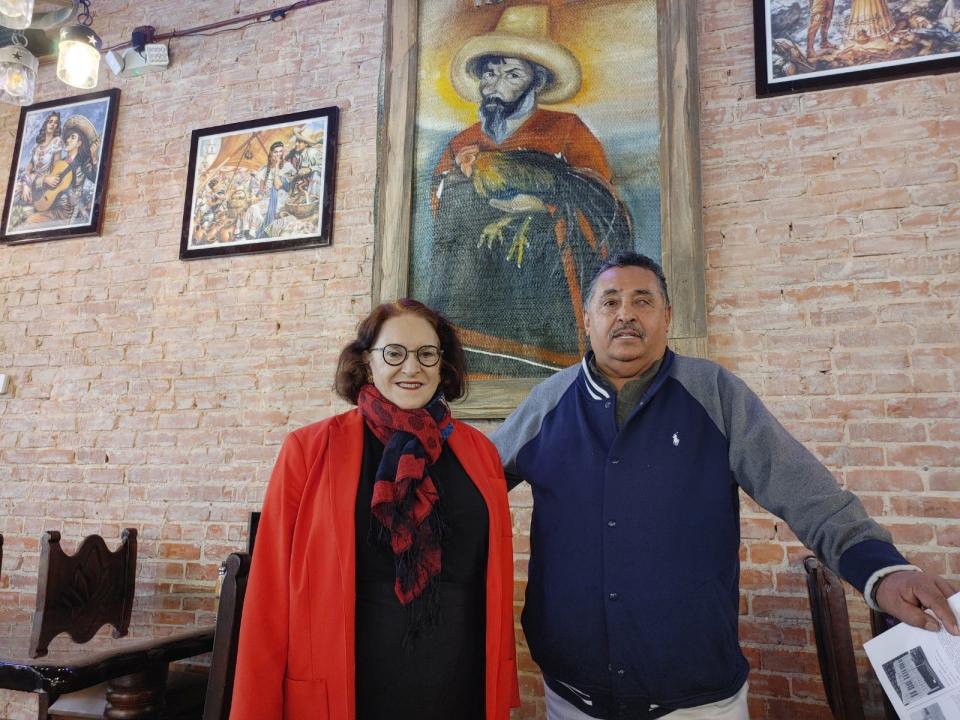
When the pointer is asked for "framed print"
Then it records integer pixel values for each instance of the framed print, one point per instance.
(812, 44)
(525, 143)
(261, 185)
(61, 164)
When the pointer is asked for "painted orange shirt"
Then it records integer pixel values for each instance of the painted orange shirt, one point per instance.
(545, 131)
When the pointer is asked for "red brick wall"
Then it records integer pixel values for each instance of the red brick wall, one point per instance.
(833, 251)
(152, 392)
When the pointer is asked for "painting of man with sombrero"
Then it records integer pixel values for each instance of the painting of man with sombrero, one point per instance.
(536, 157)
(59, 176)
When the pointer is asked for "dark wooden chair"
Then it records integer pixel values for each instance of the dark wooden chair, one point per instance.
(236, 568)
(253, 523)
(191, 695)
(80, 593)
(831, 629)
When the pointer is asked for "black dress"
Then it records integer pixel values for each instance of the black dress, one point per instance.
(441, 674)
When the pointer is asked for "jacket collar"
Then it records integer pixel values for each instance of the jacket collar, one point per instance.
(599, 389)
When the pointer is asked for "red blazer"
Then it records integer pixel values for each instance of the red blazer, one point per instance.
(296, 654)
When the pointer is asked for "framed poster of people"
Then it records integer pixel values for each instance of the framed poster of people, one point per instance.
(533, 141)
(811, 44)
(61, 163)
(261, 185)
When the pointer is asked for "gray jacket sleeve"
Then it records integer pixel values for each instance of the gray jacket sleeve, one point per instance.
(775, 469)
(524, 423)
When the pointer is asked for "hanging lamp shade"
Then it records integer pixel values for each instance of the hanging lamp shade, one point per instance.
(18, 75)
(78, 59)
(16, 14)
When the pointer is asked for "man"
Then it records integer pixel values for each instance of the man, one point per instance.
(307, 162)
(523, 205)
(821, 15)
(635, 457)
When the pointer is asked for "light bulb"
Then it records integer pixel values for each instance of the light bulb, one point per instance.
(18, 75)
(16, 14)
(16, 82)
(78, 62)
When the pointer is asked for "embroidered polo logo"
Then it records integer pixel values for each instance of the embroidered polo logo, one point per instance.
(676, 439)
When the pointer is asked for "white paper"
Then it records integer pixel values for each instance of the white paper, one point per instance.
(919, 669)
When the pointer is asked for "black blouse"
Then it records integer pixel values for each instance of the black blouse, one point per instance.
(441, 674)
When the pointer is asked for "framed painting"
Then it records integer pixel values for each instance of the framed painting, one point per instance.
(811, 44)
(61, 164)
(261, 185)
(522, 144)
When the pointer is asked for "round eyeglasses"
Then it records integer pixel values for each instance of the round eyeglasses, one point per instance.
(394, 354)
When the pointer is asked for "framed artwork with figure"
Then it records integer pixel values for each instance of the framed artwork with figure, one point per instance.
(261, 185)
(812, 44)
(525, 143)
(61, 164)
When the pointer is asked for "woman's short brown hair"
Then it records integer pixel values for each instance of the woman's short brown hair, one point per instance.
(352, 369)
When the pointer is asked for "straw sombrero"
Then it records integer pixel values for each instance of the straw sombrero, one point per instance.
(521, 33)
(82, 125)
(308, 137)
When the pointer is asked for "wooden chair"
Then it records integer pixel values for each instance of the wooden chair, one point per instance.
(191, 695)
(224, 660)
(831, 629)
(80, 593)
(253, 523)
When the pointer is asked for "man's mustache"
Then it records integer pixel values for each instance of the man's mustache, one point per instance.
(627, 328)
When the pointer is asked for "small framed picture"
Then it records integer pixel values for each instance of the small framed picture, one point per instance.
(812, 44)
(261, 185)
(61, 164)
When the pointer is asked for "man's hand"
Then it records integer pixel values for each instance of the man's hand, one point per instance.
(907, 593)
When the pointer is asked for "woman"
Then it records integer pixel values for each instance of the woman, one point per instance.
(383, 578)
(270, 186)
(868, 19)
(46, 149)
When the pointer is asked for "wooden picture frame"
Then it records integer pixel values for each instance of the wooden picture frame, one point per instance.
(796, 51)
(680, 188)
(61, 167)
(261, 185)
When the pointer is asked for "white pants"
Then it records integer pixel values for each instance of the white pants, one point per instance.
(733, 708)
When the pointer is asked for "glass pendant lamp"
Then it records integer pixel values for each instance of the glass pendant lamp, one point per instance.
(16, 14)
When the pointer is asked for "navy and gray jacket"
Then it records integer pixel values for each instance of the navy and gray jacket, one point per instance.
(633, 582)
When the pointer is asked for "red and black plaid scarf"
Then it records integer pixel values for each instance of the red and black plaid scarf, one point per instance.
(404, 495)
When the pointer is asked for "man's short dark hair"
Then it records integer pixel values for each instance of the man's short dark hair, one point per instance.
(629, 258)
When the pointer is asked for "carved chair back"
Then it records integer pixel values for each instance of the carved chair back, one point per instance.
(831, 629)
(80, 593)
(227, 636)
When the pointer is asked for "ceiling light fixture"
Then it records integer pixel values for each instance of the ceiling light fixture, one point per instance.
(78, 58)
(16, 14)
(18, 72)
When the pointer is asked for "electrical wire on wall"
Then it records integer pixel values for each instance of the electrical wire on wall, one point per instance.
(223, 26)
